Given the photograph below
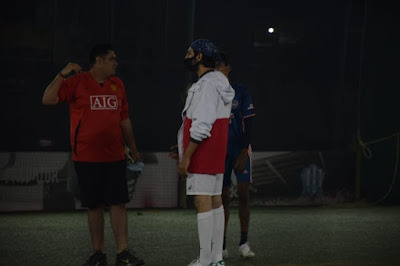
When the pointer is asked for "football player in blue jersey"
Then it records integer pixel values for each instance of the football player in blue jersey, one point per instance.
(238, 158)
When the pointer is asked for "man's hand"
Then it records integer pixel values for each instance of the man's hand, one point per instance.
(173, 154)
(183, 166)
(50, 95)
(135, 155)
(241, 160)
(71, 67)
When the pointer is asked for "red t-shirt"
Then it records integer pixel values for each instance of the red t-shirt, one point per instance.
(96, 112)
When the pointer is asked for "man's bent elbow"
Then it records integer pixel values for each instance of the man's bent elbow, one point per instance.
(47, 101)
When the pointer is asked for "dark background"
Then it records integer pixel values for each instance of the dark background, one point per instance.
(325, 76)
(302, 77)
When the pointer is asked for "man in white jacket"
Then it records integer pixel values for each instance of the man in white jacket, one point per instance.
(202, 143)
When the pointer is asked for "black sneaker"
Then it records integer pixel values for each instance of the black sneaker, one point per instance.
(98, 258)
(125, 258)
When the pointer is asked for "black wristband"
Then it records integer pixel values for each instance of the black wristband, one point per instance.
(195, 141)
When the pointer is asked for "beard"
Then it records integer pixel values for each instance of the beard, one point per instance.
(191, 64)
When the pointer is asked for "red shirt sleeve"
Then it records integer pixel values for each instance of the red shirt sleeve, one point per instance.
(125, 106)
(66, 93)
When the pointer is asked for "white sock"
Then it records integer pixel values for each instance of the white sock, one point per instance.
(218, 233)
(205, 226)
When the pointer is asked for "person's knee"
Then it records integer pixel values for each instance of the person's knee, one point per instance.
(243, 192)
(226, 196)
(216, 202)
(118, 208)
(203, 203)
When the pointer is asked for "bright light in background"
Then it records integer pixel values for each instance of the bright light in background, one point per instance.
(271, 30)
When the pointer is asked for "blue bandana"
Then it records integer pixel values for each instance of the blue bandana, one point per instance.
(205, 47)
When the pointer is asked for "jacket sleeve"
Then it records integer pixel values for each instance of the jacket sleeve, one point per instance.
(204, 114)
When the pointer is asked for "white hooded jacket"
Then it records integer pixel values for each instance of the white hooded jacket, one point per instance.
(206, 120)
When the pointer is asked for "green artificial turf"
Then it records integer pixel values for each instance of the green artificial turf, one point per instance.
(278, 236)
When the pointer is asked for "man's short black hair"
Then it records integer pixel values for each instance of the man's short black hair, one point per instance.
(224, 58)
(99, 50)
(209, 61)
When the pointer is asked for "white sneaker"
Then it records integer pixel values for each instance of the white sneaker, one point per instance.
(225, 253)
(245, 252)
(196, 262)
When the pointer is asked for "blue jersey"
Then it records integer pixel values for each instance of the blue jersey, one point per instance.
(242, 107)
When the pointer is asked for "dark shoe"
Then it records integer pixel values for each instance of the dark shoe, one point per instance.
(98, 258)
(125, 258)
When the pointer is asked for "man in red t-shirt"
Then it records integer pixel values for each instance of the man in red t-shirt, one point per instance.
(99, 130)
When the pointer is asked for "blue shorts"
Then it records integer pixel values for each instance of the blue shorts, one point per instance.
(245, 176)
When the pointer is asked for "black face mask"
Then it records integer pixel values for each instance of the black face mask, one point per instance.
(191, 64)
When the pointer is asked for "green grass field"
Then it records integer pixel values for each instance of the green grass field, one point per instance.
(278, 236)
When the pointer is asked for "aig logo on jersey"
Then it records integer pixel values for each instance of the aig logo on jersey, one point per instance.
(103, 102)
